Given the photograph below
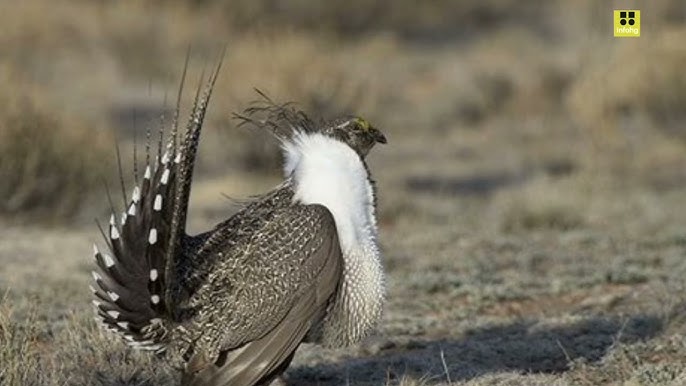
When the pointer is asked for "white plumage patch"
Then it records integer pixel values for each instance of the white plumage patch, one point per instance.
(327, 171)
(152, 237)
(109, 262)
(136, 195)
(113, 296)
(165, 177)
(114, 232)
(157, 205)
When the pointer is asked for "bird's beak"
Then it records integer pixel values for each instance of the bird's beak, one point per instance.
(378, 135)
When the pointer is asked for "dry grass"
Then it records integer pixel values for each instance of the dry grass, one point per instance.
(532, 192)
(48, 162)
(631, 108)
(28, 338)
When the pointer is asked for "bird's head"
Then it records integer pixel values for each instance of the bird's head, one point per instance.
(356, 132)
(285, 122)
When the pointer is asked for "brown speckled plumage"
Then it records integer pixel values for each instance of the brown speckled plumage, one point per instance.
(230, 306)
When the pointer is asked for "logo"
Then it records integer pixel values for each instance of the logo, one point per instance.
(627, 23)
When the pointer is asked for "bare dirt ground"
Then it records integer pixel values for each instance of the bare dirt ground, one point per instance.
(532, 194)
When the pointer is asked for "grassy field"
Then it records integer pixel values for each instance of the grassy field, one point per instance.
(532, 194)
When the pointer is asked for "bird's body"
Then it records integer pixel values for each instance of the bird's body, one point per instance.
(300, 263)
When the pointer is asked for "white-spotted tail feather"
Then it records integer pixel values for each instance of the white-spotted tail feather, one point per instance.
(132, 288)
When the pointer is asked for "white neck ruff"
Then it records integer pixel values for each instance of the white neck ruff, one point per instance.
(327, 171)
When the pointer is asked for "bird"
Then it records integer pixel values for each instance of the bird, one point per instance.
(299, 264)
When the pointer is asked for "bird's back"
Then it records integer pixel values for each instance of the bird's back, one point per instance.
(201, 253)
(267, 278)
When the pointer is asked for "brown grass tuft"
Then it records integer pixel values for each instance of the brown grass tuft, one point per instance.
(635, 85)
(48, 161)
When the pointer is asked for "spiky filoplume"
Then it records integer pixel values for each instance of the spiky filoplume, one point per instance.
(298, 264)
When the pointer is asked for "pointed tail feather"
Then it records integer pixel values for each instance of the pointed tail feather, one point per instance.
(186, 163)
(134, 277)
(129, 280)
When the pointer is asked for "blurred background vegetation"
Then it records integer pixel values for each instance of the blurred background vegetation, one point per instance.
(495, 88)
(532, 194)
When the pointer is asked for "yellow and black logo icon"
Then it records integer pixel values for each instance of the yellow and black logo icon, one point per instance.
(627, 23)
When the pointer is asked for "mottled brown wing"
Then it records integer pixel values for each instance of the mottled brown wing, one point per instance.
(272, 294)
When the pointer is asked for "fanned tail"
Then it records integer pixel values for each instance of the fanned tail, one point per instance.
(134, 278)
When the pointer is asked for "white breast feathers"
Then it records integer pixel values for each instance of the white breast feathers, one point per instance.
(327, 171)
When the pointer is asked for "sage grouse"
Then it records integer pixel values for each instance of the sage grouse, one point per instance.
(298, 264)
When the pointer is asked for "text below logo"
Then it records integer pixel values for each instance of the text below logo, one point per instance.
(627, 23)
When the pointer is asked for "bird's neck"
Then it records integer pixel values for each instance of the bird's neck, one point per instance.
(328, 172)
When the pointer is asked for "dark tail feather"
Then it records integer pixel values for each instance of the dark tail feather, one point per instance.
(175, 118)
(121, 173)
(133, 278)
(135, 151)
(186, 162)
